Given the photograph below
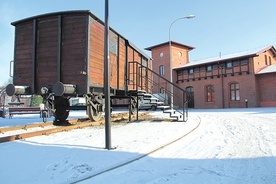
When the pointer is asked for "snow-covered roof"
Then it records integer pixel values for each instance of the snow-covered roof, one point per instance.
(243, 54)
(173, 43)
(268, 69)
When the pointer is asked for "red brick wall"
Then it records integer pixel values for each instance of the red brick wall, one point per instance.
(179, 56)
(161, 56)
(222, 97)
(267, 89)
(259, 61)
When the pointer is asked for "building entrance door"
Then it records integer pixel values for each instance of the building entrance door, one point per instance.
(191, 102)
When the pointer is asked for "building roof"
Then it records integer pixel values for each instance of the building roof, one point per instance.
(167, 43)
(237, 55)
(268, 69)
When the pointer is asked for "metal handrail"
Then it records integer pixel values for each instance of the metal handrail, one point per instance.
(141, 73)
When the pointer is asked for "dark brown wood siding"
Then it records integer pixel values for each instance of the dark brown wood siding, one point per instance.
(74, 51)
(46, 51)
(59, 53)
(23, 54)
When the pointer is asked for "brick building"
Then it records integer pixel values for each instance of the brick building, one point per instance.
(243, 79)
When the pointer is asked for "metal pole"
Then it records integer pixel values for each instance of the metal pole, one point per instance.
(171, 78)
(170, 52)
(106, 80)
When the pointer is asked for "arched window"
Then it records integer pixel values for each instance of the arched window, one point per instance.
(210, 93)
(234, 92)
(161, 70)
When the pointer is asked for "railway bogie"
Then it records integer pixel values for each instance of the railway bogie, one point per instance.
(61, 55)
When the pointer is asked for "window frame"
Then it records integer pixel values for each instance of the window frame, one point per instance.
(209, 68)
(229, 64)
(161, 70)
(234, 92)
(210, 93)
(191, 71)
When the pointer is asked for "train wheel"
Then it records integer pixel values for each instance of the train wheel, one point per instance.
(61, 112)
(93, 114)
(94, 106)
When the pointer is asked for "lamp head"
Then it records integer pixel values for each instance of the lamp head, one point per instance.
(190, 17)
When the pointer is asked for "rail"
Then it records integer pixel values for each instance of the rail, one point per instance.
(47, 128)
(142, 78)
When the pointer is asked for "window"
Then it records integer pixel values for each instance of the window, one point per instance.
(236, 63)
(180, 75)
(209, 68)
(202, 68)
(191, 71)
(144, 64)
(229, 65)
(234, 92)
(244, 62)
(161, 70)
(210, 93)
(266, 60)
(113, 46)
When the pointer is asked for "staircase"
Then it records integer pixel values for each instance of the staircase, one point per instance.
(149, 84)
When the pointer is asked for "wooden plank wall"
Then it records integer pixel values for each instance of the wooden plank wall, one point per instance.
(74, 51)
(46, 53)
(23, 54)
(96, 54)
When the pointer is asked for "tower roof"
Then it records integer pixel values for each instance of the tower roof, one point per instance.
(167, 43)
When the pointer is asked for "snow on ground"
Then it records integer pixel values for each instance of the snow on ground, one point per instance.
(227, 146)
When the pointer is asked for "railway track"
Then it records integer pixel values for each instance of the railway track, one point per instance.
(38, 129)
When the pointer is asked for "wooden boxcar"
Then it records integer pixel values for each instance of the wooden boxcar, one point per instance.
(60, 55)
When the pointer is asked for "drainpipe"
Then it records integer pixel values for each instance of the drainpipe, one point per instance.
(222, 84)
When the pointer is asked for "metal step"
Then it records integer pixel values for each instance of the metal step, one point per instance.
(178, 116)
(157, 103)
(174, 114)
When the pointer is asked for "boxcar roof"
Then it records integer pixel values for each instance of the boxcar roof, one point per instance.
(54, 14)
(88, 12)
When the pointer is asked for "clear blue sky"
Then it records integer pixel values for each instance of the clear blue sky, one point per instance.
(220, 25)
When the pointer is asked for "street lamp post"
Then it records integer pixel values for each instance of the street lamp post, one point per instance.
(107, 79)
(170, 45)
